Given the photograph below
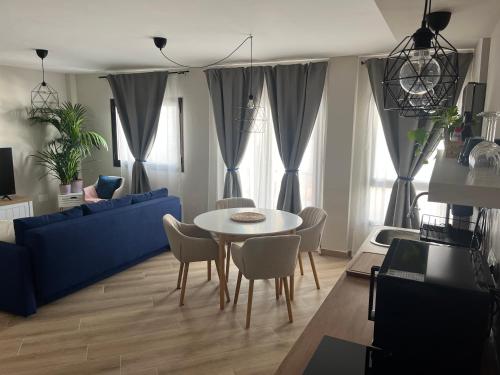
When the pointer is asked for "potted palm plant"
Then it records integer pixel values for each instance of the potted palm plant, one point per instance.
(63, 155)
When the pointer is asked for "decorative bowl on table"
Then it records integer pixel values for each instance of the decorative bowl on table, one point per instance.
(248, 217)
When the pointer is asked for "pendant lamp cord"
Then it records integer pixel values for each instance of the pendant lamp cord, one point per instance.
(251, 64)
(211, 64)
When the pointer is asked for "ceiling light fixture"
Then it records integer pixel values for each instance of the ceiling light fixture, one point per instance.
(43, 97)
(421, 73)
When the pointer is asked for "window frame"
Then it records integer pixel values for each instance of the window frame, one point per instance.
(114, 134)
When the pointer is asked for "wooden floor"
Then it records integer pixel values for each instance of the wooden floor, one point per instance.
(131, 324)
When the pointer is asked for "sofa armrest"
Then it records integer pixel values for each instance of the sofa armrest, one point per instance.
(17, 294)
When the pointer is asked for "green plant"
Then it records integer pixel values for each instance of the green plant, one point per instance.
(74, 143)
(445, 121)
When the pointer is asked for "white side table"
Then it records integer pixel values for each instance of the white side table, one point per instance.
(69, 200)
(15, 208)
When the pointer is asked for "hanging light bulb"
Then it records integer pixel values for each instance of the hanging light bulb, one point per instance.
(421, 73)
(423, 64)
(251, 102)
(43, 97)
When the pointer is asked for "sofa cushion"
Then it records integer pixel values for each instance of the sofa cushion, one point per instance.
(105, 205)
(7, 231)
(27, 223)
(155, 194)
(106, 186)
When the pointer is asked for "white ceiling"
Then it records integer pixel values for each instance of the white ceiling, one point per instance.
(112, 35)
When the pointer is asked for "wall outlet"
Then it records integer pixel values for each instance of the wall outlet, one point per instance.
(43, 198)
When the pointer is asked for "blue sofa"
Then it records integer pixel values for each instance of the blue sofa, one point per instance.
(58, 258)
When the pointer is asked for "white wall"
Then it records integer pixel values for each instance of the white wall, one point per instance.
(26, 138)
(95, 94)
(341, 85)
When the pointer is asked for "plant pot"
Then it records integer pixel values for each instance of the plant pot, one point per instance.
(65, 189)
(77, 186)
(451, 149)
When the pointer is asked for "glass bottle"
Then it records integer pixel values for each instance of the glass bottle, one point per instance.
(487, 153)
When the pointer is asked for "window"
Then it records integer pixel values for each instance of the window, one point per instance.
(261, 169)
(383, 174)
(165, 162)
(168, 147)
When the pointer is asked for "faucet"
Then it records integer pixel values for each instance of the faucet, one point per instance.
(414, 203)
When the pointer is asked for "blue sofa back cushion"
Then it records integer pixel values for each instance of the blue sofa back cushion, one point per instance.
(143, 197)
(93, 208)
(27, 223)
(106, 186)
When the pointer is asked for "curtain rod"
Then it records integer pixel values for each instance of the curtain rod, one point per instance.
(179, 72)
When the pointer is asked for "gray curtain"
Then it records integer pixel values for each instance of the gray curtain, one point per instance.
(229, 90)
(138, 98)
(401, 149)
(295, 93)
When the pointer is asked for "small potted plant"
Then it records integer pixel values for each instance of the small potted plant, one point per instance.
(447, 122)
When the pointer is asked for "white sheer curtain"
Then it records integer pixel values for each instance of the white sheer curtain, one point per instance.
(164, 160)
(261, 168)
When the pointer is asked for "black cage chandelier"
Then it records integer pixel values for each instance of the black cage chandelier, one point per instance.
(421, 73)
(43, 97)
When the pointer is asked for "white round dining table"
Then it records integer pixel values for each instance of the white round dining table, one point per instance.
(227, 230)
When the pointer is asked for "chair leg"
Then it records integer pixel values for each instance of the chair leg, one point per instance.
(288, 304)
(281, 286)
(184, 280)
(228, 260)
(314, 269)
(179, 279)
(237, 291)
(226, 290)
(277, 285)
(292, 282)
(249, 304)
(300, 265)
(209, 270)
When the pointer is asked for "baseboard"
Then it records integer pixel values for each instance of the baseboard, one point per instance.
(336, 253)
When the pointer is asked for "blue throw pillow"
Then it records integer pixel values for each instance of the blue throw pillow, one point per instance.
(106, 186)
(27, 223)
(93, 208)
(159, 193)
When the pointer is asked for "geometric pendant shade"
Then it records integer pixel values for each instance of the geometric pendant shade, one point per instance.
(43, 96)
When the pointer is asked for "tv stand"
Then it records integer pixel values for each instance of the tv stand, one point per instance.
(15, 207)
(6, 197)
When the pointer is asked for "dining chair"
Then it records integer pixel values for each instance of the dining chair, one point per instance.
(310, 232)
(189, 244)
(262, 258)
(231, 203)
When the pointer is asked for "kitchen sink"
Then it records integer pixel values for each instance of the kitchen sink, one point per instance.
(384, 237)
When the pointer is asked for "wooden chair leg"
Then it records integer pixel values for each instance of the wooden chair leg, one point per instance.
(281, 286)
(277, 285)
(209, 270)
(226, 290)
(237, 291)
(288, 304)
(181, 270)
(184, 280)
(249, 304)
(300, 265)
(292, 282)
(314, 269)
(228, 260)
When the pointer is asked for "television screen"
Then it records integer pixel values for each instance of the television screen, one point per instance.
(7, 184)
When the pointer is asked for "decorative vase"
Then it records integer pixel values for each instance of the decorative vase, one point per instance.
(65, 189)
(451, 148)
(77, 186)
(487, 153)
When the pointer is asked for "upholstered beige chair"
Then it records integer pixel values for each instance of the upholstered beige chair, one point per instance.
(263, 258)
(189, 244)
(231, 203)
(310, 232)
